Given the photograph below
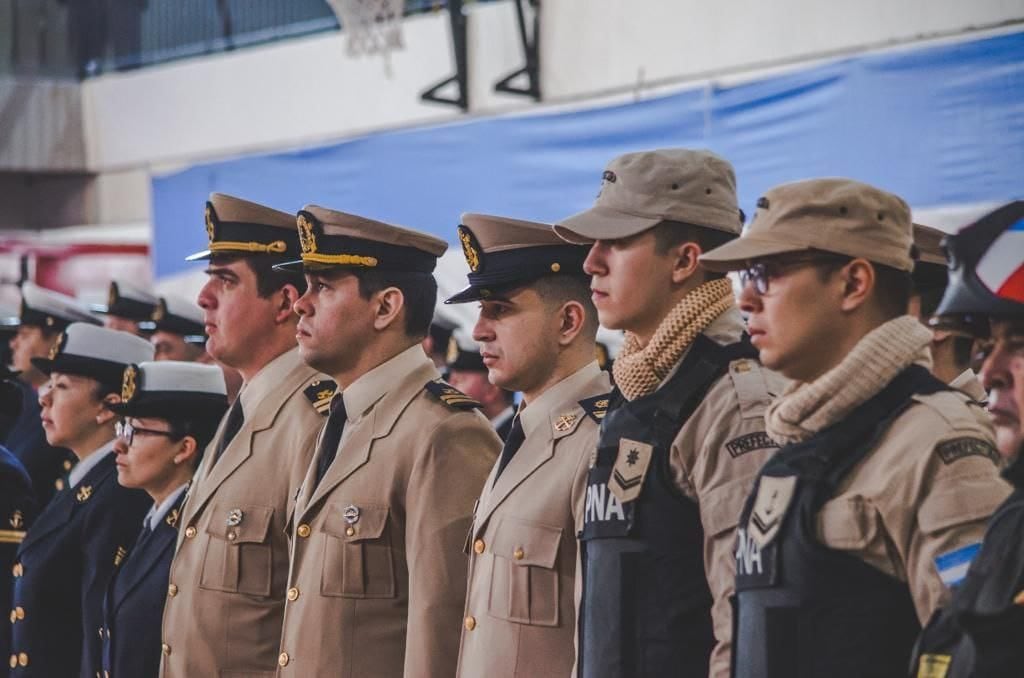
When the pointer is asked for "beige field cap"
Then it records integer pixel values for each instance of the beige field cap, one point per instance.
(639, 190)
(832, 215)
(928, 242)
(330, 239)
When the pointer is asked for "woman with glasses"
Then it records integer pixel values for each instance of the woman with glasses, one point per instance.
(170, 412)
(69, 552)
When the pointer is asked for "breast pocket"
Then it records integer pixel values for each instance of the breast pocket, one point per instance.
(238, 557)
(524, 580)
(358, 558)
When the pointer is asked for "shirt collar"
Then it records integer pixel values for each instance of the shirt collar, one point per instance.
(372, 386)
(89, 463)
(537, 413)
(969, 383)
(157, 512)
(268, 379)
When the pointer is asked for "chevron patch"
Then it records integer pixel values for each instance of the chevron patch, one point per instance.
(320, 393)
(451, 396)
(630, 469)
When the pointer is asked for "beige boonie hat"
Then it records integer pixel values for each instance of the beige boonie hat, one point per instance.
(841, 216)
(640, 190)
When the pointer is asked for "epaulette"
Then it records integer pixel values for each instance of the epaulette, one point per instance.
(752, 393)
(597, 406)
(320, 393)
(451, 396)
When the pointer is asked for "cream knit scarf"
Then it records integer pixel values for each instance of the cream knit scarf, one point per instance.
(805, 408)
(639, 370)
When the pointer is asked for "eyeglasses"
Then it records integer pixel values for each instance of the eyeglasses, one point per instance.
(126, 432)
(760, 274)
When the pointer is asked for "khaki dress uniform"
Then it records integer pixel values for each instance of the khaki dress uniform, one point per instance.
(520, 603)
(377, 580)
(226, 594)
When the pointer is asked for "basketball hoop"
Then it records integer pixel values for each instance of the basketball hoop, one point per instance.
(370, 26)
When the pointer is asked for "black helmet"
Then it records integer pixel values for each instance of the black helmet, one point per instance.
(986, 270)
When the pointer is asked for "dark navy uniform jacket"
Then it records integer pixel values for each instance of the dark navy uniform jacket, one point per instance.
(17, 509)
(134, 603)
(46, 465)
(62, 569)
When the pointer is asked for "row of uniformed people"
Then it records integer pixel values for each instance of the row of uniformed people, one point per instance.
(881, 464)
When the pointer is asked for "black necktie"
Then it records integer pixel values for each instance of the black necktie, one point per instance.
(332, 436)
(235, 420)
(512, 444)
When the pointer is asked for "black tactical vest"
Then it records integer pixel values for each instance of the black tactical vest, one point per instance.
(802, 609)
(646, 608)
(979, 634)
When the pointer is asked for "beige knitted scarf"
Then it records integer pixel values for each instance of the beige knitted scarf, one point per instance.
(805, 408)
(639, 369)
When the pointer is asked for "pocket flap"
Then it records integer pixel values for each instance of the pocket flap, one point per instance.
(527, 543)
(368, 523)
(241, 524)
(846, 523)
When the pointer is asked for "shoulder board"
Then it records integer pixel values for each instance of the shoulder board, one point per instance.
(954, 407)
(597, 406)
(751, 387)
(320, 393)
(451, 396)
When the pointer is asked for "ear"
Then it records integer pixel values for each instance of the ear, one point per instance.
(286, 298)
(571, 318)
(858, 284)
(390, 303)
(106, 415)
(187, 449)
(685, 255)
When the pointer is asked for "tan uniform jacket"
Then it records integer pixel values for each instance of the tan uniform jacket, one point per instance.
(927, 489)
(378, 574)
(520, 603)
(227, 581)
(968, 382)
(715, 458)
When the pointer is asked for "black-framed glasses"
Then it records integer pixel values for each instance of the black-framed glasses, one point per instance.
(127, 432)
(761, 273)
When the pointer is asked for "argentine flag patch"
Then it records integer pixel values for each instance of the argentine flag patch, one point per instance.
(952, 566)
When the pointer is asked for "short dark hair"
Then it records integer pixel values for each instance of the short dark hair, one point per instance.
(201, 429)
(418, 289)
(558, 289)
(268, 279)
(669, 234)
(892, 289)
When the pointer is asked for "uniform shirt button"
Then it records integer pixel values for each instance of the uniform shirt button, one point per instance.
(190, 531)
(293, 593)
(14, 660)
(350, 531)
(470, 623)
(22, 659)
(59, 484)
(303, 530)
(165, 648)
(282, 659)
(19, 612)
(172, 590)
(519, 554)
(479, 546)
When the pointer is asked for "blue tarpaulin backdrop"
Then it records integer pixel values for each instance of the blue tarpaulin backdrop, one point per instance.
(941, 125)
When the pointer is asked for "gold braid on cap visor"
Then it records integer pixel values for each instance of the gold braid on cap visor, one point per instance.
(276, 247)
(340, 259)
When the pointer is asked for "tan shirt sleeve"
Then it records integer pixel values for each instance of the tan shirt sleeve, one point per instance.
(445, 481)
(715, 459)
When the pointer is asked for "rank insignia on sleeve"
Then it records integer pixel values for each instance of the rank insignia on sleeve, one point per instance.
(596, 407)
(737, 447)
(120, 555)
(630, 469)
(320, 393)
(933, 665)
(451, 396)
(953, 450)
(770, 505)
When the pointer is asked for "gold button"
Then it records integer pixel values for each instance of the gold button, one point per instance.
(67, 465)
(14, 660)
(172, 590)
(59, 484)
(282, 659)
(101, 632)
(556, 267)
(19, 612)
(190, 531)
(22, 659)
(518, 554)
(470, 623)
(165, 648)
(479, 546)
(14, 617)
(18, 569)
(303, 530)
(293, 593)
(350, 531)
(232, 536)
